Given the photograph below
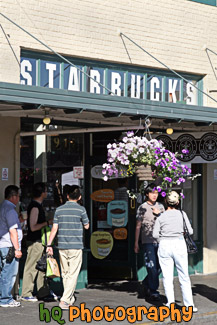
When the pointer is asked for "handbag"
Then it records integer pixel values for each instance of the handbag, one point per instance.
(41, 264)
(52, 268)
(191, 246)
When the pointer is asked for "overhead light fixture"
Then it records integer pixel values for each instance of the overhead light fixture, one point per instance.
(169, 131)
(46, 119)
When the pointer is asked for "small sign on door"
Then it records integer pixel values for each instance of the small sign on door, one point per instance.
(4, 174)
(78, 172)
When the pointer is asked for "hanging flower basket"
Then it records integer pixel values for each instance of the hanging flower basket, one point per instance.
(161, 164)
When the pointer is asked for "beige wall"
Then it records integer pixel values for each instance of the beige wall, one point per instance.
(210, 218)
(175, 31)
(9, 127)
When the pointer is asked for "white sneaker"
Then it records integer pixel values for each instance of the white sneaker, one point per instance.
(12, 303)
(168, 304)
(32, 299)
(195, 310)
(64, 305)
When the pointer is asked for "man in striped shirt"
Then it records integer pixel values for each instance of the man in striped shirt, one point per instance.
(69, 221)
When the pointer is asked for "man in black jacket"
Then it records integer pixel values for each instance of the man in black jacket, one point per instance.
(36, 221)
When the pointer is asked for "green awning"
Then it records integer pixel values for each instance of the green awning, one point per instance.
(33, 97)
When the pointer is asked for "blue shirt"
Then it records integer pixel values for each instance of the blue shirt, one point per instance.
(8, 220)
(70, 217)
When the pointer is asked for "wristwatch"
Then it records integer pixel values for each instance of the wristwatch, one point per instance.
(17, 250)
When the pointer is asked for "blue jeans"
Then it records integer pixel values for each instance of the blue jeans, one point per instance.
(151, 281)
(7, 276)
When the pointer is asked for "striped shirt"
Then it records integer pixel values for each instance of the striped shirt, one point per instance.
(70, 218)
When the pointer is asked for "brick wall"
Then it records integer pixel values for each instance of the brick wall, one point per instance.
(175, 31)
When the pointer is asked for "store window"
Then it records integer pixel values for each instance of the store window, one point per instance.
(50, 159)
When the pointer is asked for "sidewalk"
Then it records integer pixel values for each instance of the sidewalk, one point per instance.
(122, 293)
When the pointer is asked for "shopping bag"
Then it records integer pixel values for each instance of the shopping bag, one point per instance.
(52, 268)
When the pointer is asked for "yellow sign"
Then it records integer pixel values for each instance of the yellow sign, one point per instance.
(104, 195)
(101, 243)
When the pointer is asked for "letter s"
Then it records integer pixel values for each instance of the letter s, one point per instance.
(26, 65)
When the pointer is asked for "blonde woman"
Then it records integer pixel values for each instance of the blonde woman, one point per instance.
(168, 229)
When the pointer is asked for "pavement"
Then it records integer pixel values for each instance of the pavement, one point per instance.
(123, 299)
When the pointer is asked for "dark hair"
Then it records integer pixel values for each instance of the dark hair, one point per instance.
(74, 192)
(38, 189)
(11, 190)
(149, 188)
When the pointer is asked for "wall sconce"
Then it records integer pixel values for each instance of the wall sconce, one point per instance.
(46, 119)
(169, 131)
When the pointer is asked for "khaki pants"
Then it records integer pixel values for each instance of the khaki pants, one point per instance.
(35, 251)
(70, 261)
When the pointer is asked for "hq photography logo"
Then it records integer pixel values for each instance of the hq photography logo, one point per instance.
(120, 313)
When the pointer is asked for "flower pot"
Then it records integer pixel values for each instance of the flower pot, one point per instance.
(144, 173)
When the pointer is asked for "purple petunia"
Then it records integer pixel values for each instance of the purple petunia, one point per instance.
(124, 157)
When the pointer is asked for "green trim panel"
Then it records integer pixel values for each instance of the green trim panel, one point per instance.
(206, 2)
(59, 98)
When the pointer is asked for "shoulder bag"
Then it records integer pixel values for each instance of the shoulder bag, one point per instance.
(41, 264)
(191, 246)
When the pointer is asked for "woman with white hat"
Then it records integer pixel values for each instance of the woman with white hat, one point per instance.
(168, 229)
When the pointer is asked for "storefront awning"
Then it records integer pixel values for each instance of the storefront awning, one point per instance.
(31, 101)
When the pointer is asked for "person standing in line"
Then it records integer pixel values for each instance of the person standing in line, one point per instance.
(147, 214)
(57, 194)
(69, 221)
(35, 221)
(10, 236)
(169, 229)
